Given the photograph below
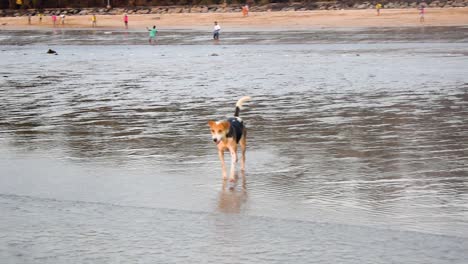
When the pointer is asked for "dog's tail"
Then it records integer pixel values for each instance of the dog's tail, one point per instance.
(240, 103)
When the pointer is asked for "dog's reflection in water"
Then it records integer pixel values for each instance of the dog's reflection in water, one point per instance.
(233, 195)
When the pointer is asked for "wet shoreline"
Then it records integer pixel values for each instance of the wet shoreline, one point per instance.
(255, 37)
(220, 238)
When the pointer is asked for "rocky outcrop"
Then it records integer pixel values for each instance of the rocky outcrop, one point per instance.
(319, 5)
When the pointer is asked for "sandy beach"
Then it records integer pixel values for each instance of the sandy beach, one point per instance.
(260, 20)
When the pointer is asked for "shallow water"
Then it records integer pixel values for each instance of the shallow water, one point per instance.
(357, 152)
(58, 36)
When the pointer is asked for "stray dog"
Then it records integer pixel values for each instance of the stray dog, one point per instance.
(227, 134)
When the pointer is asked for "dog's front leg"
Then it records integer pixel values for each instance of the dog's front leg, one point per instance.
(223, 164)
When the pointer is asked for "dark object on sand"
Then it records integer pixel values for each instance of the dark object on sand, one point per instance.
(214, 54)
(51, 52)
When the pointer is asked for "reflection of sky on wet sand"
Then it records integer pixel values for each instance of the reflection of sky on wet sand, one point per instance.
(348, 139)
(233, 195)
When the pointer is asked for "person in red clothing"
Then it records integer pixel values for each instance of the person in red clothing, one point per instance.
(245, 10)
(54, 19)
(422, 11)
(126, 20)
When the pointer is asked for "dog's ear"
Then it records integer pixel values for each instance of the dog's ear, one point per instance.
(226, 125)
(211, 123)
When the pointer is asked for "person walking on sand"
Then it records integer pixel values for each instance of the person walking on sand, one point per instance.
(40, 18)
(216, 30)
(152, 35)
(245, 10)
(94, 20)
(378, 6)
(422, 11)
(29, 18)
(54, 20)
(224, 6)
(62, 17)
(126, 20)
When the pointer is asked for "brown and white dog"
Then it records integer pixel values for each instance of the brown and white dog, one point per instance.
(228, 134)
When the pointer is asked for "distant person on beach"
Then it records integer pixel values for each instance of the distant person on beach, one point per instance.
(378, 6)
(245, 10)
(224, 5)
(40, 18)
(62, 17)
(216, 31)
(126, 20)
(94, 20)
(422, 11)
(54, 20)
(152, 35)
(29, 19)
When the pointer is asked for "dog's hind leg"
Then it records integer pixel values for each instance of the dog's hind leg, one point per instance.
(223, 164)
(243, 145)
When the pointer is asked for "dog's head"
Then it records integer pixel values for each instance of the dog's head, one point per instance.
(219, 130)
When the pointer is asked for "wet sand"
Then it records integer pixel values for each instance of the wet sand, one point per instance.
(356, 151)
(261, 20)
(60, 36)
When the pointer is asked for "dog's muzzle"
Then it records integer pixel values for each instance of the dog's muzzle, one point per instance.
(216, 141)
